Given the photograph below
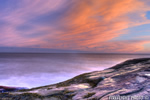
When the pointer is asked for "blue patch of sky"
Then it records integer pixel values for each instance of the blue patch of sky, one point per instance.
(9, 5)
(24, 27)
(135, 33)
(50, 18)
(2, 23)
(148, 14)
(34, 35)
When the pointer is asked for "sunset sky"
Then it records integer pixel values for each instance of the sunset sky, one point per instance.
(103, 26)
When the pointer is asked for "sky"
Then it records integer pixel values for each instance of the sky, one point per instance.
(103, 26)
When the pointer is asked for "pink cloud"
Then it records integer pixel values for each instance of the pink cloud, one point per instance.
(86, 25)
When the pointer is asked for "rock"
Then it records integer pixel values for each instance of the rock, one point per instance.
(52, 98)
(140, 79)
(128, 79)
(10, 89)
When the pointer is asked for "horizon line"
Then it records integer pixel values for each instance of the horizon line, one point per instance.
(71, 53)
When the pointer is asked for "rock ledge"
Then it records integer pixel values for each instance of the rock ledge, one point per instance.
(130, 78)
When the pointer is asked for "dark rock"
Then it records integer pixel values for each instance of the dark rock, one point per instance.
(10, 89)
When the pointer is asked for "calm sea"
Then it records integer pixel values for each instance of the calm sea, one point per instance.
(32, 70)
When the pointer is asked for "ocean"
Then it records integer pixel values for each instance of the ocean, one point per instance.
(33, 70)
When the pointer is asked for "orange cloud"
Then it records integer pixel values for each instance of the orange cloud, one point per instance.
(122, 46)
(92, 22)
(84, 25)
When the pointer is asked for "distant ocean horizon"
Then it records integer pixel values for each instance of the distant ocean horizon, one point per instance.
(39, 69)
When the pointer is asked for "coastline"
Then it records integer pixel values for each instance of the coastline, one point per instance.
(131, 77)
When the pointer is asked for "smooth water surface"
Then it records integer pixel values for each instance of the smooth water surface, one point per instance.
(32, 70)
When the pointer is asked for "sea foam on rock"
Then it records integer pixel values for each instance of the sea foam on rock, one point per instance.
(130, 78)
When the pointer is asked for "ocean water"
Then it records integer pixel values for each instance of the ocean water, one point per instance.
(33, 70)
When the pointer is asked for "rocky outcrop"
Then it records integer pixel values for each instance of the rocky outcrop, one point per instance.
(10, 89)
(129, 80)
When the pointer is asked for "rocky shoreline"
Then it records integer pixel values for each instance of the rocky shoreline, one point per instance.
(10, 89)
(130, 79)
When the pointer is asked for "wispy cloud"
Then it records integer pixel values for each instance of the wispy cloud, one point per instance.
(74, 25)
(131, 46)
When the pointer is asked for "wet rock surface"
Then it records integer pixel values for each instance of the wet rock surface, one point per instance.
(128, 79)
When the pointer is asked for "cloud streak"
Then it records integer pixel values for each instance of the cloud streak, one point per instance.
(73, 25)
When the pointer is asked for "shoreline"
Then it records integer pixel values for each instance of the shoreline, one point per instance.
(132, 77)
